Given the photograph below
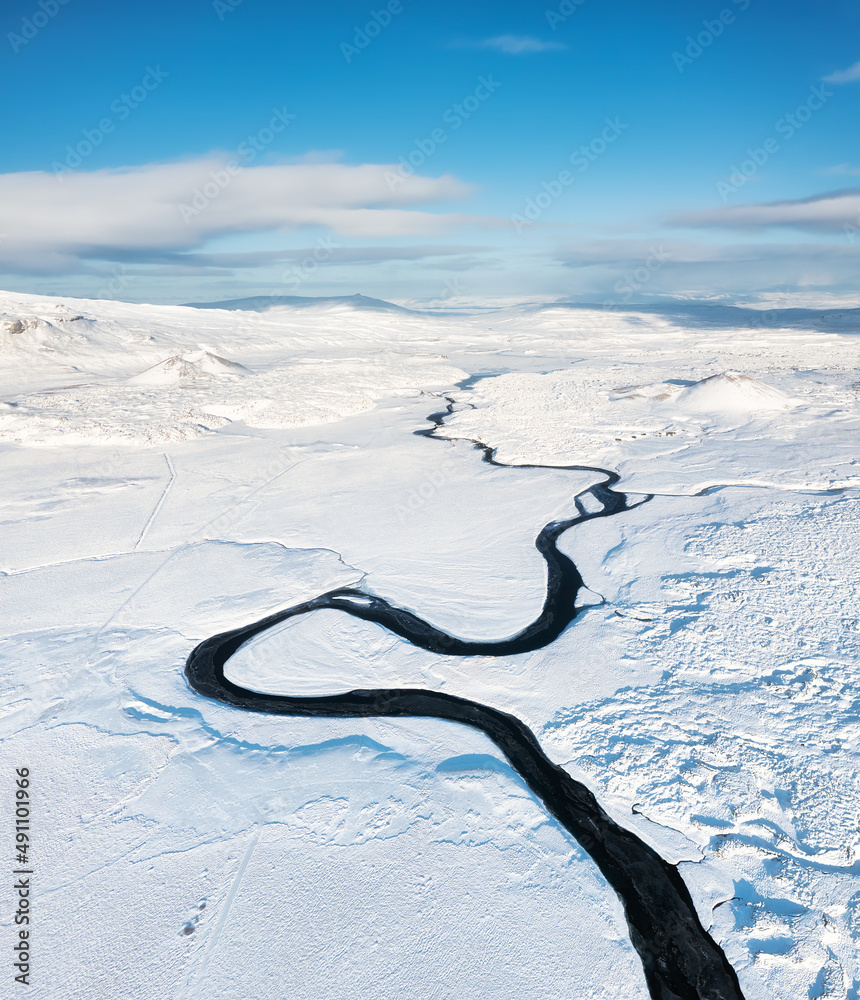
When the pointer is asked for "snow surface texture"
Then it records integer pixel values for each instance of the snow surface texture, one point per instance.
(131, 386)
(156, 493)
(779, 427)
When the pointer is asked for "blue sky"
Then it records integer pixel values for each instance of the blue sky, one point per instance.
(718, 148)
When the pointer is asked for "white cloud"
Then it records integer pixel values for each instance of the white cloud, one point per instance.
(850, 75)
(843, 169)
(236, 260)
(52, 224)
(676, 253)
(516, 45)
(824, 213)
(628, 270)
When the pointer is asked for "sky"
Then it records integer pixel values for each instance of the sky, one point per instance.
(599, 150)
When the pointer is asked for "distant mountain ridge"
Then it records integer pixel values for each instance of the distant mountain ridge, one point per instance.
(719, 315)
(259, 303)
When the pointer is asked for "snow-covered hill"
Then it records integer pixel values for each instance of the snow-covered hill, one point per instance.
(172, 472)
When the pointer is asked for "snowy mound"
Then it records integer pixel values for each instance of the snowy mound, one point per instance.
(732, 393)
(168, 372)
(19, 330)
(179, 369)
(214, 364)
(14, 326)
(729, 393)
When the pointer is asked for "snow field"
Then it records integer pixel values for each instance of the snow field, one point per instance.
(709, 700)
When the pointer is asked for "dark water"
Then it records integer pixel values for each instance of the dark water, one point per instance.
(680, 960)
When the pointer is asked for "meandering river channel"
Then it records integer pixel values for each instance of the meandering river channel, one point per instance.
(680, 959)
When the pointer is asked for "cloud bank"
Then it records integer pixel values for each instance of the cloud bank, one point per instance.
(825, 213)
(52, 225)
(628, 270)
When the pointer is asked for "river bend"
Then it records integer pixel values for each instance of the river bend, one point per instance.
(680, 959)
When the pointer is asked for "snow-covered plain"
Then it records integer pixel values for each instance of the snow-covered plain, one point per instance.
(171, 473)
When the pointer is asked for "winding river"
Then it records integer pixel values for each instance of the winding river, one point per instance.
(680, 959)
